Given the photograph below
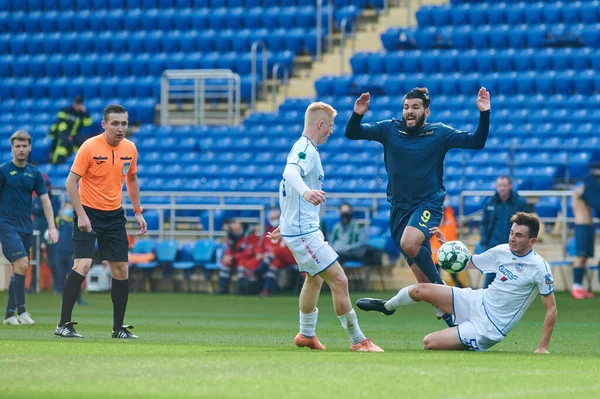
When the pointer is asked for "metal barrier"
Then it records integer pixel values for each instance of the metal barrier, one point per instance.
(253, 71)
(320, 27)
(180, 87)
(344, 35)
(562, 218)
(284, 82)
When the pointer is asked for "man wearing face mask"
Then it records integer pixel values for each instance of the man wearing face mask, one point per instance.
(243, 254)
(349, 239)
(277, 257)
(497, 211)
(414, 153)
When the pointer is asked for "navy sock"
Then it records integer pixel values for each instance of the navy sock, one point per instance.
(11, 304)
(489, 278)
(71, 292)
(19, 288)
(425, 263)
(119, 294)
(578, 273)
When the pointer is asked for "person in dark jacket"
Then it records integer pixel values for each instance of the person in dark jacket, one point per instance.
(497, 211)
(65, 130)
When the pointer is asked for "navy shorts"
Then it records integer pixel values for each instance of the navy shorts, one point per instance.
(15, 245)
(425, 216)
(584, 240)
(591, 192)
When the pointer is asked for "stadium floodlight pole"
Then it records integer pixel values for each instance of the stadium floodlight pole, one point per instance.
(253, 71)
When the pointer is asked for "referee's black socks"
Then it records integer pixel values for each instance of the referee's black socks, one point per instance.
(70, 295)
(119, 294)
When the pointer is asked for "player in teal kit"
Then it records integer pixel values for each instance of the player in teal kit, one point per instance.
(18, 180)
(414, 152)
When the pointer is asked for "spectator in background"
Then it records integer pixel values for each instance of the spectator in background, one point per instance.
(243, 254)
(349, 239)
(449, 228)
(276, 258)
(64, 249)
(40, 224)
(65, 131)
(497, 211)
(585, 197)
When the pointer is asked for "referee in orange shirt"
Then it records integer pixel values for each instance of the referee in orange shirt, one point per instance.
(101, 166)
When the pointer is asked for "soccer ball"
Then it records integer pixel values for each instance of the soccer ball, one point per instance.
(453, 256)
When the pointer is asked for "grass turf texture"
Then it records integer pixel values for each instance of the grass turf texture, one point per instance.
(202, 346)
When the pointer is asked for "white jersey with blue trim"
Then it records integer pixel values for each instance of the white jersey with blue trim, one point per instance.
(518, 281)
(299, 217)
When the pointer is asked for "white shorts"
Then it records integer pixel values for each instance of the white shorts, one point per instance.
(475, 330)
(312, 252)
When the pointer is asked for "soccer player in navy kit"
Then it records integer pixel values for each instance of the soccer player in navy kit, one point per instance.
(18, 179)
(414, 152)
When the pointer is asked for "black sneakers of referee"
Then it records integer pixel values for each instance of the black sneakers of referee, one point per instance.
(124, 333)
(67, 331)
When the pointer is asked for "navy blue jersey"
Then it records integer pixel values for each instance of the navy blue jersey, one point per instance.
(415, 163)
(16, 186)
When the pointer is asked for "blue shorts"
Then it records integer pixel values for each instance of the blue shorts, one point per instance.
(584, 240)
(425, 216)
(591, 192)
(15, 245)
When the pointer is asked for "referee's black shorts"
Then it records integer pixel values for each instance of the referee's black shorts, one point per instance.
(108, 227)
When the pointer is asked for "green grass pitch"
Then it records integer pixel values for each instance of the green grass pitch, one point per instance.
(203, 346)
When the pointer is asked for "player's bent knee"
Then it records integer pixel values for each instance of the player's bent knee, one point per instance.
(82, 266)
(21, 265)
(119, 270)
(429, 342)
(410, 248)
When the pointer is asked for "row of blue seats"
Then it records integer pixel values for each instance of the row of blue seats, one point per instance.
(441, 102)
(96, 87)
(81, 5)
(169, 19)
(463, 120)
(483, 61)
(133, 66)
(512, 14)
(55, 45)
(485, 37)
(549, 82)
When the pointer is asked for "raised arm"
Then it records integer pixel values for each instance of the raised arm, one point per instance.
(550, 305)
(475, 141)
(365, 131)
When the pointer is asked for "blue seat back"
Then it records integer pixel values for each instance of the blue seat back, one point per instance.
(204, 251)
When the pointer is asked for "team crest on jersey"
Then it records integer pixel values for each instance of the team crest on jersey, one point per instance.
(126, 166)
(548, 279)
(520, 266)
(302, 155)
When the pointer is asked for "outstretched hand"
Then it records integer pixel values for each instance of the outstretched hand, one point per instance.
(438, 234)
(274, 235)
(362, 104)
(483, 100)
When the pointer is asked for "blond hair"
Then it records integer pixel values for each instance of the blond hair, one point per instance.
(314, 109)
(20, 135)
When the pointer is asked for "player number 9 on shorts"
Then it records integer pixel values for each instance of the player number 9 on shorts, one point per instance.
(453, 256)
(426, 216)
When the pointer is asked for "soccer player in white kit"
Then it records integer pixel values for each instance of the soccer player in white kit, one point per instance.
(484, 317)
(300, 198)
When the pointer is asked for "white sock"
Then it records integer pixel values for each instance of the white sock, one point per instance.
(308, 322)
(400, 299)
(350, 324)
(577, 287)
